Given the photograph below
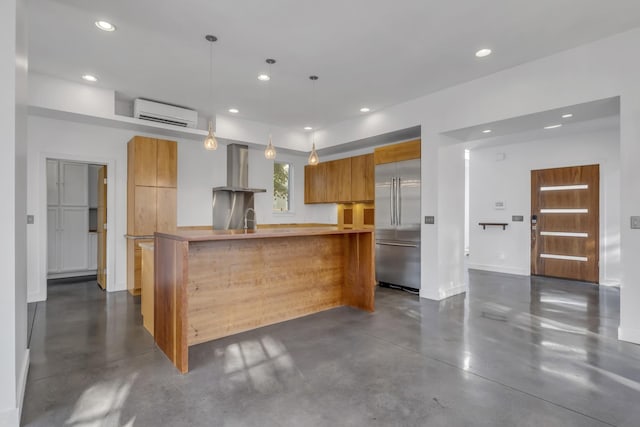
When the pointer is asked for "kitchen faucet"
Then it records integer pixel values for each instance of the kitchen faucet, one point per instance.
(255, 222)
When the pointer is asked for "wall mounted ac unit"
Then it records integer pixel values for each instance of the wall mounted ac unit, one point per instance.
(164, 113)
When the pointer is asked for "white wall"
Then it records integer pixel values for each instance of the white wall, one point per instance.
(198, 171)
(599, 70)
(509, 180)
(13, 307)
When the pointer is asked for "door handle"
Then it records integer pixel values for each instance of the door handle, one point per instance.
(403, 245)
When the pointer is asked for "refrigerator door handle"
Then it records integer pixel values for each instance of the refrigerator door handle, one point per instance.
(391, 199)
(398, 200)
(404, 245)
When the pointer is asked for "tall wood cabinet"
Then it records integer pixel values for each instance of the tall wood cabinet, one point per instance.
(151, 197)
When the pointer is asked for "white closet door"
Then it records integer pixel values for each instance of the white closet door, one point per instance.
(53, 241)
(74, 184)
(52, 182)
(75, 226)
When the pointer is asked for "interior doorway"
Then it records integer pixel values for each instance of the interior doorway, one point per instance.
(76, 220)
(565, 223)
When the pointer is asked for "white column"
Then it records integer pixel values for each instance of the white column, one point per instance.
(630, 205)
(13, 305)
(442, 197)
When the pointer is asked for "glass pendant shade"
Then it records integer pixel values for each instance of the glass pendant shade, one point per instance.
(313, 157)
(211, 143)
(270, 151)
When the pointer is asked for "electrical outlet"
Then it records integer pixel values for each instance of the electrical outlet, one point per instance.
(30, 219)
(635, 222)
(429, 219)
(517, 218)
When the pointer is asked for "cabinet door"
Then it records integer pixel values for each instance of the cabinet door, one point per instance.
(53, 241)
(52, 182)
(144, 215)
(74, 184)
(315, 190)
(166, 210)
(143, 157)
(93, 185)
(167, 164)
(339, 180)
(73, 238)
(362, 178)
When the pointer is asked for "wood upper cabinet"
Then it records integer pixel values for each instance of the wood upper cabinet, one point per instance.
(144, 211)
(315, 186)
(167, 160)
(362, 178)
(338, 180)
(142, 161)
(397, 152)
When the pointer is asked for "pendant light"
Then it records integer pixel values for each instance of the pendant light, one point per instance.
(270, 151)
(210, 142)
(313, 157)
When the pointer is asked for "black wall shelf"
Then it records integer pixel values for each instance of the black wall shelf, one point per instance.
(493, 224)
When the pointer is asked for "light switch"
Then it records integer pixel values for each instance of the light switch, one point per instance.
(429, 219)
(30, 219)
(635, 222)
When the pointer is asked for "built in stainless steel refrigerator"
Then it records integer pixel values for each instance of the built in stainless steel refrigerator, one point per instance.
(398, 224)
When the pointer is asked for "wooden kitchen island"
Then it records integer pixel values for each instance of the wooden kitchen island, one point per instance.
(214, 283)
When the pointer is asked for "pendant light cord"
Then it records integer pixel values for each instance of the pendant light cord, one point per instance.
(211, 78)
(269, 101)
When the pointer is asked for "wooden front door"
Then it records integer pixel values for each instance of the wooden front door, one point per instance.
(102, 227)
(565, 222)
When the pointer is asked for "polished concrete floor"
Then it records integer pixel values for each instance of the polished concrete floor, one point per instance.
(514, 351)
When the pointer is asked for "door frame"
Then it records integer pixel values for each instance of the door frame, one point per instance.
(41, 222)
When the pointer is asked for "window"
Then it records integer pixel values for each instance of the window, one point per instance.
(281, 187)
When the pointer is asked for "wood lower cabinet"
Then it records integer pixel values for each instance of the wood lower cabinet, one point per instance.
(151, 196)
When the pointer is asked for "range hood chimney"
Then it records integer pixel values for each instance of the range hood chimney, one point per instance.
(238, 170)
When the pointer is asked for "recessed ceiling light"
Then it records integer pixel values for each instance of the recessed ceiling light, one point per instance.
(234, 110)
(553, 126)
(90, 78)
(365, 110)
(264, 78)
(567, 116)
(308, 128)
(105, 26)
(483, 52)
(486, 131)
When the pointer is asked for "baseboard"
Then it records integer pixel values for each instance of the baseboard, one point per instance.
(122, 286)
(22, 381)
(443, 294)
(499, 269)
(447, 293)
(631, 335)
(610, 283)
(11, 417)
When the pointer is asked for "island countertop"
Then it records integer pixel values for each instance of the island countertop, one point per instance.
(210, 284)
(209, 235)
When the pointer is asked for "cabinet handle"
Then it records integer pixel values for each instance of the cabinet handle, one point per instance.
(404, 245)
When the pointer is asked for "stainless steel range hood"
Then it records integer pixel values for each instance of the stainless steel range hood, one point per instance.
(230, 203)
(238, 170)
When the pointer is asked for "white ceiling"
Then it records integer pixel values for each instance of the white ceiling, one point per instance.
(367, 52)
